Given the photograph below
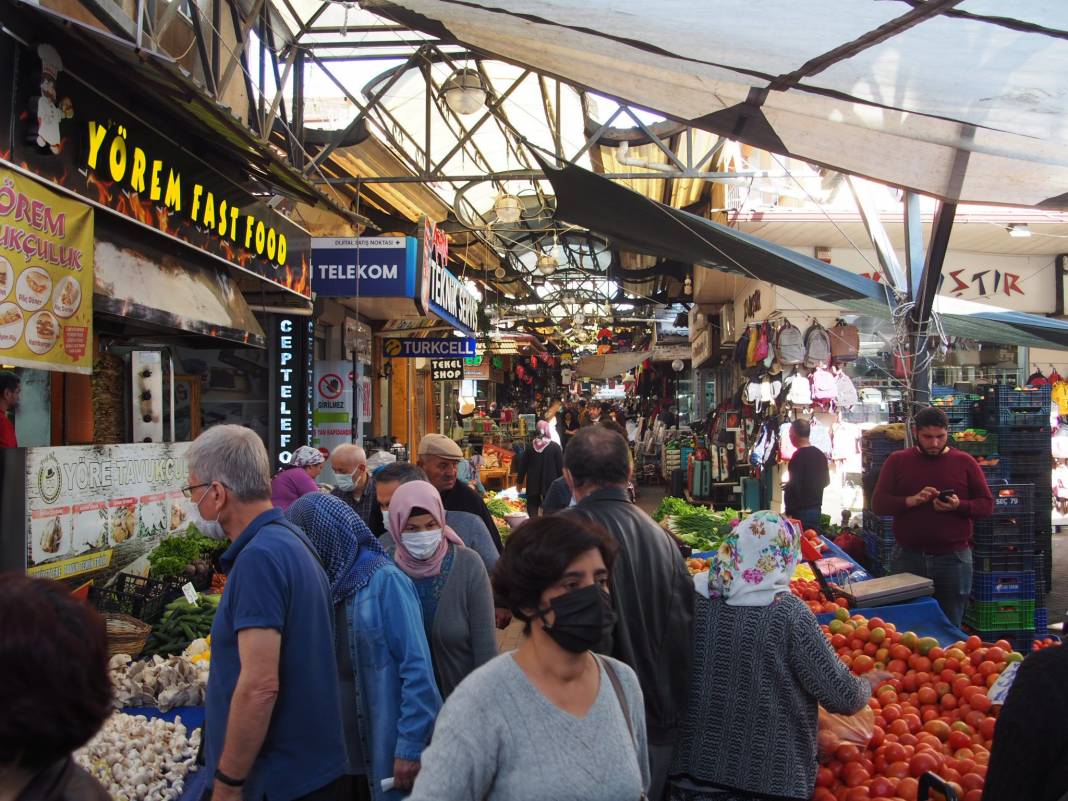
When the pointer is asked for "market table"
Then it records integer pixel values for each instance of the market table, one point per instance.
(922, 615)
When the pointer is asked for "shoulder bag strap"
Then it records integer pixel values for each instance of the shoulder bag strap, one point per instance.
(622, 699)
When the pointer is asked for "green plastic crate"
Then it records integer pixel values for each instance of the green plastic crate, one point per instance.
(1006, 615)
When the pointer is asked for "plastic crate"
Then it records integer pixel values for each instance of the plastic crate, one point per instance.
(1014, 499)
(1004, 531)
(1013, 614)
(1041, 621)
(883, 526)
(1003, 417)
(983, 447)
(1003, 586)
(137, 596)
(1038, 439)
(877, 546)
(874, 446)
(1010, 397)
(1026, 462)
(995, 472)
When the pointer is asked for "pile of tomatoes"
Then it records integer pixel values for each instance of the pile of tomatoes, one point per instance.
(812, 595)
(932, 715)
(1045, 642)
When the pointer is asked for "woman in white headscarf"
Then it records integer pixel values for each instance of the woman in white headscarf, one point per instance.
(298, 477)
(539, 466)
(761, 668)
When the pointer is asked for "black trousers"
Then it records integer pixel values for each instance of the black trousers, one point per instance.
(533, 504)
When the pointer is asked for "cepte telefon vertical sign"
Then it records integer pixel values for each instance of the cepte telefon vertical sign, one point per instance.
(289, 371)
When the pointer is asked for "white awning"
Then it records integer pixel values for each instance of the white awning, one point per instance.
(960, 99)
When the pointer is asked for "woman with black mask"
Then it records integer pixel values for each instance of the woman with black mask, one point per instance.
(551, 719)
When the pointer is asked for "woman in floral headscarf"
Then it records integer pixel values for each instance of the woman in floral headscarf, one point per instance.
(761, 668)
(539, 466)
(298, 477)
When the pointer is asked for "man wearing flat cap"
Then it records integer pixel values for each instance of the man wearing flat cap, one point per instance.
(439, 457)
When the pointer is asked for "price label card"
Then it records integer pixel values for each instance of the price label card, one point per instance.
(190, 593)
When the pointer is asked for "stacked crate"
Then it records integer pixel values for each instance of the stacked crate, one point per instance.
(877, 532)
(1003, 569)
(1021, 418)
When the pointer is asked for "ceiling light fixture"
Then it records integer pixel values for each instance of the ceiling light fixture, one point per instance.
(464, 92)
(547, 264)
(500, 272)
(508, 208)
(1019, 230)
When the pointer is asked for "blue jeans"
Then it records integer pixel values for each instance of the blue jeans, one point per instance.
(951, 574)
(809, 517)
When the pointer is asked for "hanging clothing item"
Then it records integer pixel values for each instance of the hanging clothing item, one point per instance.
(820, 436)
(846, 441)
(751, 351)
(787, 449)
(1059, 395)
(761, 350)
(741, 348)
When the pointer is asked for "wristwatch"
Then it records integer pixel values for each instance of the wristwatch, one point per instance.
(229, 781)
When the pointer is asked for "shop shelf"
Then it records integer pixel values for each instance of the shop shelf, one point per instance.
(1014, 499)
(1007, 615)
(1003, 586)
(1009, 397)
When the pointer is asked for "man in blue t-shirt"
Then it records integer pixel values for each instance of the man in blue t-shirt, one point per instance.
(273, 728)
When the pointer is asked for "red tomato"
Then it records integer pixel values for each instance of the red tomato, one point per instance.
(897, 770)
(921, 763)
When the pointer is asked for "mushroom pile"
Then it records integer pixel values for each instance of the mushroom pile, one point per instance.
(137, 759)
(163, 683)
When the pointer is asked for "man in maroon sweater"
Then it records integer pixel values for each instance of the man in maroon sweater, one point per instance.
(933, 527)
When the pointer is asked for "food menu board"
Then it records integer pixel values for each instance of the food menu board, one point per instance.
(46, 277)
(101, 506)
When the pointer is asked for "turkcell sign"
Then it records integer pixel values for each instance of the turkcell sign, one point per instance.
(366, 266)
(412, 348)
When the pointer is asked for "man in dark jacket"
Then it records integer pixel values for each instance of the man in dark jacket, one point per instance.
(652, 591)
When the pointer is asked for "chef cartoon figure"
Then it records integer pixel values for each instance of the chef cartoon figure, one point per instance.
(50, 112)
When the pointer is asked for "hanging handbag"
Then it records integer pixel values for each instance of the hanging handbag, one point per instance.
(617, 687)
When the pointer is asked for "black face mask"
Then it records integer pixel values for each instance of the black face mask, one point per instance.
(583, 618)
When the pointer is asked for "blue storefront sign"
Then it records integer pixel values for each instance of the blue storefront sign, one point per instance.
(411, 348)
(373, 267)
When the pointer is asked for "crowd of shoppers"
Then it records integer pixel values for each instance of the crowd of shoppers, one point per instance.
(333, 648)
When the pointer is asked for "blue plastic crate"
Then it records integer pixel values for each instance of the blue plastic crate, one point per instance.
(1003, 586)
(1041, 621)
(995, 472)
(1010, 397)
(1032, 440)
(1015, 499)
(882, 525)
(1005, 417)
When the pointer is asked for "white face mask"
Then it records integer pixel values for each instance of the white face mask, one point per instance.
(344, 482)
(212, 529)
(421, 544)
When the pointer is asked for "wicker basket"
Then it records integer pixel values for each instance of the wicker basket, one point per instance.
(126, 635)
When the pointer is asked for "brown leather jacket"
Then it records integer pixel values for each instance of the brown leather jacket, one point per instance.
(63, 781)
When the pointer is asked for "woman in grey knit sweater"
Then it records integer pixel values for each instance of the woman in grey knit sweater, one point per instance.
(761, 667)
(551, 720)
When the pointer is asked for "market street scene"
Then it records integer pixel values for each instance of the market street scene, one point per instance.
(536, 400)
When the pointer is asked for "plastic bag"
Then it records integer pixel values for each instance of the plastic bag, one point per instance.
(837, 730)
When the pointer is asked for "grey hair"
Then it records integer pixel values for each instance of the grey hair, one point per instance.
(235, 457)
(402, 472)
(350, 449)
